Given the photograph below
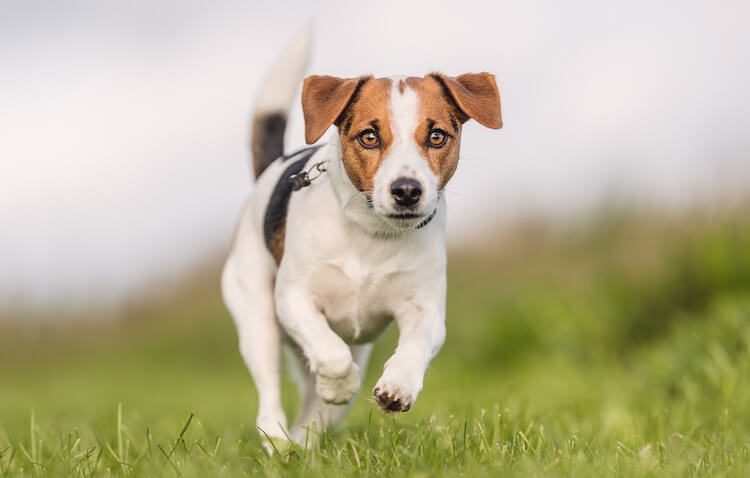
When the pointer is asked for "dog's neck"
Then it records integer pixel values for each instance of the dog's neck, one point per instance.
(355, 203)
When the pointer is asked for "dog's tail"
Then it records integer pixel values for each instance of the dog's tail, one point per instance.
(277, 92)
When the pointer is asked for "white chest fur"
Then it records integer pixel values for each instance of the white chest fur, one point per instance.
(359, 295)
(357, 280)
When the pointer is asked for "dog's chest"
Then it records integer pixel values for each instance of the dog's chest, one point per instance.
(358, 298)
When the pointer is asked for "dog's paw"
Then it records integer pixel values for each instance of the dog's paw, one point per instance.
(273, 434)
(333, 360)
(338, 390)
(280, 446)
(395, 395)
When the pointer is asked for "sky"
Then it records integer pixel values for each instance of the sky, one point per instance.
(124, 126)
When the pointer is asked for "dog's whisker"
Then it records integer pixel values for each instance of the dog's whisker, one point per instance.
(367, 198)
(457, 193)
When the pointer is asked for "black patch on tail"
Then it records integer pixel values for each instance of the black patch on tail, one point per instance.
(268, 140)
(274, 221)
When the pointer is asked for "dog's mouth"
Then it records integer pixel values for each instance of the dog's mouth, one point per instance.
(400, 218)
(411, 220)
(405, 216)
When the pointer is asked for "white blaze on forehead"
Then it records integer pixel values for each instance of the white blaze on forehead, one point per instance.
(404, 157)
(405, 153)
(404, 112)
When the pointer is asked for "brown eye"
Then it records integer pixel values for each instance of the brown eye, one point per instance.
(369, 139)
(437, 138)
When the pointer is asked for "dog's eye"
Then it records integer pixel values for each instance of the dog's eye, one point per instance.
(369, 139)
(437, 138)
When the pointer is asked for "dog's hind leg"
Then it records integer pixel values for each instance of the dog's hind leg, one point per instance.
(247, 287)
(317, 415)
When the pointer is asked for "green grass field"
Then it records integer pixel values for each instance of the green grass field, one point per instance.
(616, 347)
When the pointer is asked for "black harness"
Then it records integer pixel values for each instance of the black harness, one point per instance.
(293, 179)
(278, 204)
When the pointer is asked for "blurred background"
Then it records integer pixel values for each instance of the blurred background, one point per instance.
(124, 127)
(599, 242)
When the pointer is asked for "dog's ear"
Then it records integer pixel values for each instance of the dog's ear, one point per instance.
(476, 95)
(324, 98)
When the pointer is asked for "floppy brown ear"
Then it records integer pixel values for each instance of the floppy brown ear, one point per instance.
(324, 98)
(477, 96)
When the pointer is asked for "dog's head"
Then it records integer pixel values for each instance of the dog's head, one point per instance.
(400, 137)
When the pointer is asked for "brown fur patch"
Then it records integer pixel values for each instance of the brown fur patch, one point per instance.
(476, 94)
(355, 105)
(437, 111)
(324, 100)
(371, 110)
(276, 244)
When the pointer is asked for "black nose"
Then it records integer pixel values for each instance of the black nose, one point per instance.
(406, 191)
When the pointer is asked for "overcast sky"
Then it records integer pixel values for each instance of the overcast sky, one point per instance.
(124, 126)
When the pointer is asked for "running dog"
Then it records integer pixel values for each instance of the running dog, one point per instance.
(340, 239)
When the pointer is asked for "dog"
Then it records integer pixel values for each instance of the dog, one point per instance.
(340, 239)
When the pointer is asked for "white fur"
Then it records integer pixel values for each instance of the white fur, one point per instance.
(280, 84)
(346, 274)
(404, 158)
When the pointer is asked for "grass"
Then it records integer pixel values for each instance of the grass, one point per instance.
(618, 347)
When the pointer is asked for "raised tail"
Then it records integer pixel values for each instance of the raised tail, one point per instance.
(275, 98)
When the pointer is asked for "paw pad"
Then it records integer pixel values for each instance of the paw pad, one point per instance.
(391, 401)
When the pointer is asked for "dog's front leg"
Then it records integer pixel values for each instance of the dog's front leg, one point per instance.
(336, 373)
(421, 334)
